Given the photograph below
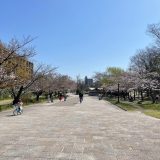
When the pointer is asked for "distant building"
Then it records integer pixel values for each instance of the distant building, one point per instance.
(24, 68)
(88, 82)
(19, 66)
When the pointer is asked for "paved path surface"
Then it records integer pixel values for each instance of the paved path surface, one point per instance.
(93, 130)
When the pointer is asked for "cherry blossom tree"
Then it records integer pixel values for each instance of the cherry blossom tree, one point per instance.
(146, 66)
(11, 51)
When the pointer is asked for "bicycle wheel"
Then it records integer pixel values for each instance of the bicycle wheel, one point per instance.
(15, 113)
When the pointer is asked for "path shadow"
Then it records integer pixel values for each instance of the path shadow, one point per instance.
(11, 115)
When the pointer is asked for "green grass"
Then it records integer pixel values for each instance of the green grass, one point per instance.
(5, 107)
(151, 109)
(5, 101)
(150, 105)
(126, 106)
(147, 107)
(153, 113)
(6, 104)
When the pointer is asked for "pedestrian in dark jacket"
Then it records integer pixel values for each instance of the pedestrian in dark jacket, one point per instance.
(80, 97)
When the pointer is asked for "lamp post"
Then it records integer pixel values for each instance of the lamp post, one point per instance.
(118, 92)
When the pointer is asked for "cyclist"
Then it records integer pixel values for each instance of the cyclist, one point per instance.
(18, 106)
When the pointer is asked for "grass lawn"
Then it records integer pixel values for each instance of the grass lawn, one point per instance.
(5, 107)
(6, 104)
(147, 107)
(151, 109)
(125, 105)
(153, 113)
(6, 101)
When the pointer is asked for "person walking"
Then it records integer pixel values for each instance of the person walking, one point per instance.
(65, 96)
(80, 97)
(60, 96)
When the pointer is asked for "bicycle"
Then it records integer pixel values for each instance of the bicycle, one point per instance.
(18, 110)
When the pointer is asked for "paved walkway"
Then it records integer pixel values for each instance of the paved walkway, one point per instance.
(93, 130)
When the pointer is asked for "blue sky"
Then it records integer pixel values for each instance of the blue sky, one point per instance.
(81, 37)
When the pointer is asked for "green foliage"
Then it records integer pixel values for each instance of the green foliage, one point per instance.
(27, 98)
(106, 81)
(114, 71)
(4, 94)
(111, 76)
(30, 99)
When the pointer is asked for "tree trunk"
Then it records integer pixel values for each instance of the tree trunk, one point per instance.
(153, 99)
(148, 93)
(37, 97)
(17, 97)
(141, 95)
(138, 94)
(128, 95)
(152, 96)
(134, 95)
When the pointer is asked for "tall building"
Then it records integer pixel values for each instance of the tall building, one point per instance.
(88, 82)
(19, 66)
